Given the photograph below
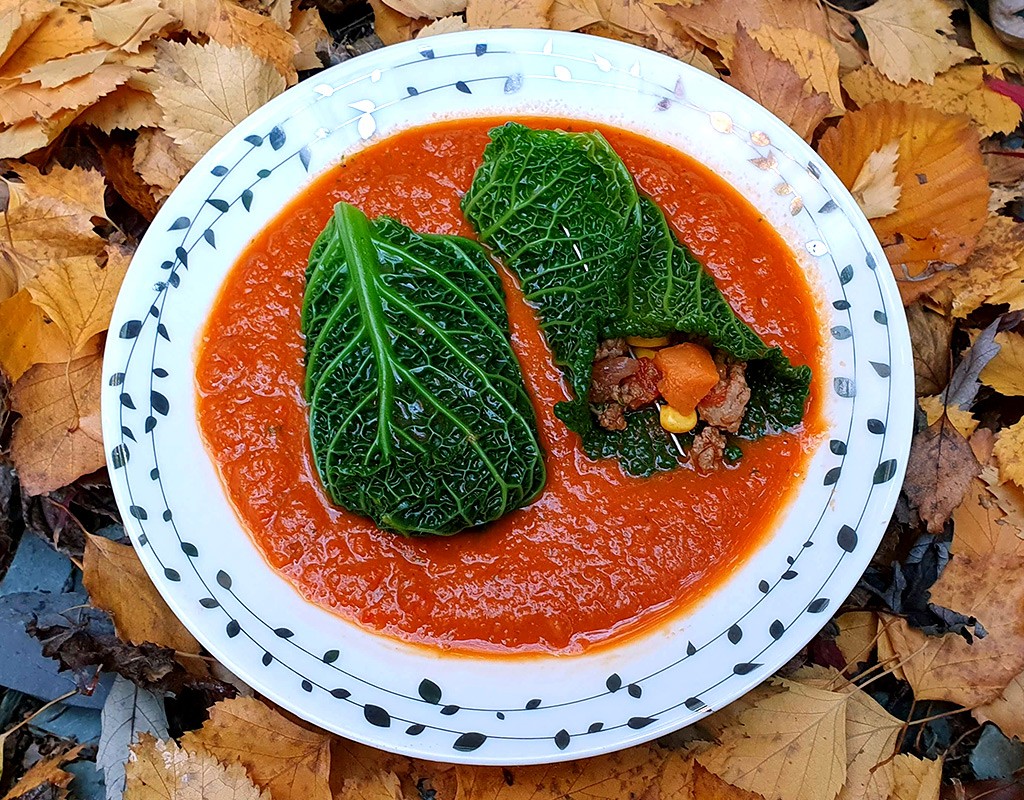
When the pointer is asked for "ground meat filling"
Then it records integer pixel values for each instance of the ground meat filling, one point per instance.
(725, 405)
(708, 450)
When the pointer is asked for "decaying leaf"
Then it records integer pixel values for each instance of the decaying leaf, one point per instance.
(939, 470)
(776, 85)
(935, 408)
(58, 437)
(960, 90)
(1005, 372)
(207, 89)
(875, 188)
(648, 19)
(811, 55)
(117, 583)
(291, 762)
(983, 580)
(1005, 710)
(45, 772)
(159, 770)
(993, 274)
(393, 26)
(128, 712)
(310, 33)
(160, 162)
(791, 746)
(930, 337)
(944, 190)
(910, 39)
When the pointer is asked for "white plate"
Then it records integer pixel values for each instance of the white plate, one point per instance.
(477, 710)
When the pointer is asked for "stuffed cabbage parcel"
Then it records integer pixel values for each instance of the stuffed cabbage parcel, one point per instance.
(419, 418)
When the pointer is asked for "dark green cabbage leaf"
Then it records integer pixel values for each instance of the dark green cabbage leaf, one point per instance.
(419, 418)
(537, 200)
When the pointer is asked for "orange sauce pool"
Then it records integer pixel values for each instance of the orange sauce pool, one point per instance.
(599, 555)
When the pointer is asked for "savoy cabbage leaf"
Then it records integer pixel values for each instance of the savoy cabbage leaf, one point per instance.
(419, 418)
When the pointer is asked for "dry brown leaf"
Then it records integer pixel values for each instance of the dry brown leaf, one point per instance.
(940, 469)
(24, 137)
(811, 55)
(61, 70)
(1009, 453)
(775, 84)
(982, 580)
(433, 9)
(916, 778)
(32, 101)
(159, 161)
(649, 19)
(509, 14)
(994, 272)
(61, 32)
(791, 746)
(358, 772)
(983, 443)
(1005, 710)
(392, 26)
(126, 108)
(46, 771)
(935, 408)
(159, 770)
(450, 24)
(120, 172)
(118, 583)
(960, 90)
(127, 25)
(930, 335)
(907, 39)
(841, 34)
(1005, 167)
(231, 25)
(58, 436)
(872, 734)
(78, 292)
(875, 188)
(571, 15)
(857, 633)
(291, 762)
(310, 33)
(713, 22)
(205, 90)
(944, 190)
(1005, 372)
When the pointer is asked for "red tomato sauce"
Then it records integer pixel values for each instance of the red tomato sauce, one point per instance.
(599, 555)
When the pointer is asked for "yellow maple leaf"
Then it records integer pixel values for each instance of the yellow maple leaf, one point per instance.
(127, 25)
(811, 55)
(1005, 372)
(510, 14)
(159, 770)
(875, 188)
(205, 90)
(960, 90)
(916, 778)
(907, 39)
(944, 189)
(119, 584)
(58, 438)
(1009, 453)
(791, 746)
(1005, 710)
(983, 581)
(775, 84)
(934, 408)
(291, 762)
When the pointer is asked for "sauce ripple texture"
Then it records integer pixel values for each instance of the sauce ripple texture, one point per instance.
(600, 554)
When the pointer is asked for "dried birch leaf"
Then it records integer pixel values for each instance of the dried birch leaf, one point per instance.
(291, 762)
(908, 39)
(775, 84)
(206, 90)
(119, 584)
(58, 436)
(960, 90)
(944, 190)
(811, 55)
(875, 188)
(508, 14)
(127, 25)
(443, 25)
(163, 771)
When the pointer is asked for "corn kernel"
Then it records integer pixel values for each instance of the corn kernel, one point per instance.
(644, 352)
(647, 341)
(676, 421)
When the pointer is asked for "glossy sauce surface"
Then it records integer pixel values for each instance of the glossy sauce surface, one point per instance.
(600, 554)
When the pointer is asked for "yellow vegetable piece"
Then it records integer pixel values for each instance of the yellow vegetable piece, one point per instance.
(675, 421)
(644, 352)
(643, 341)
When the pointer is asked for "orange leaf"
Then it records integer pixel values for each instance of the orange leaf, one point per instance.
(775, 84)
(46, 771)
(58, 436)
(31, 101)
(27, 337)
(943, 186)
(393, 26)
(56, 33)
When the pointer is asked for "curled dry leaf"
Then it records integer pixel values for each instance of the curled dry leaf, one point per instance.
(127, 25)
(45, 772)
(60, 71)
(42, 37)
(117, 583)
(310, 33)
(160, 162)
(160, 770)
(508, 14)
(205, 90)
(32, 101)
(930, 336)
(982, 580)
(944, 190)
(811, 55)
(58, 437)
(775, 84)
(993, 274)
(1005, 372)
(444, 25)
(648, 19)
(960, 90)
(875, 188)
(393, 26)
(910, 39)
(1009, 453)
(289, 761)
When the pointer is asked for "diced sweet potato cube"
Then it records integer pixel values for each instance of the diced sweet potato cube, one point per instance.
(688, 373)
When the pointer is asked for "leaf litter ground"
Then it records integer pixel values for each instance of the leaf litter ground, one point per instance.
(915, 689)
